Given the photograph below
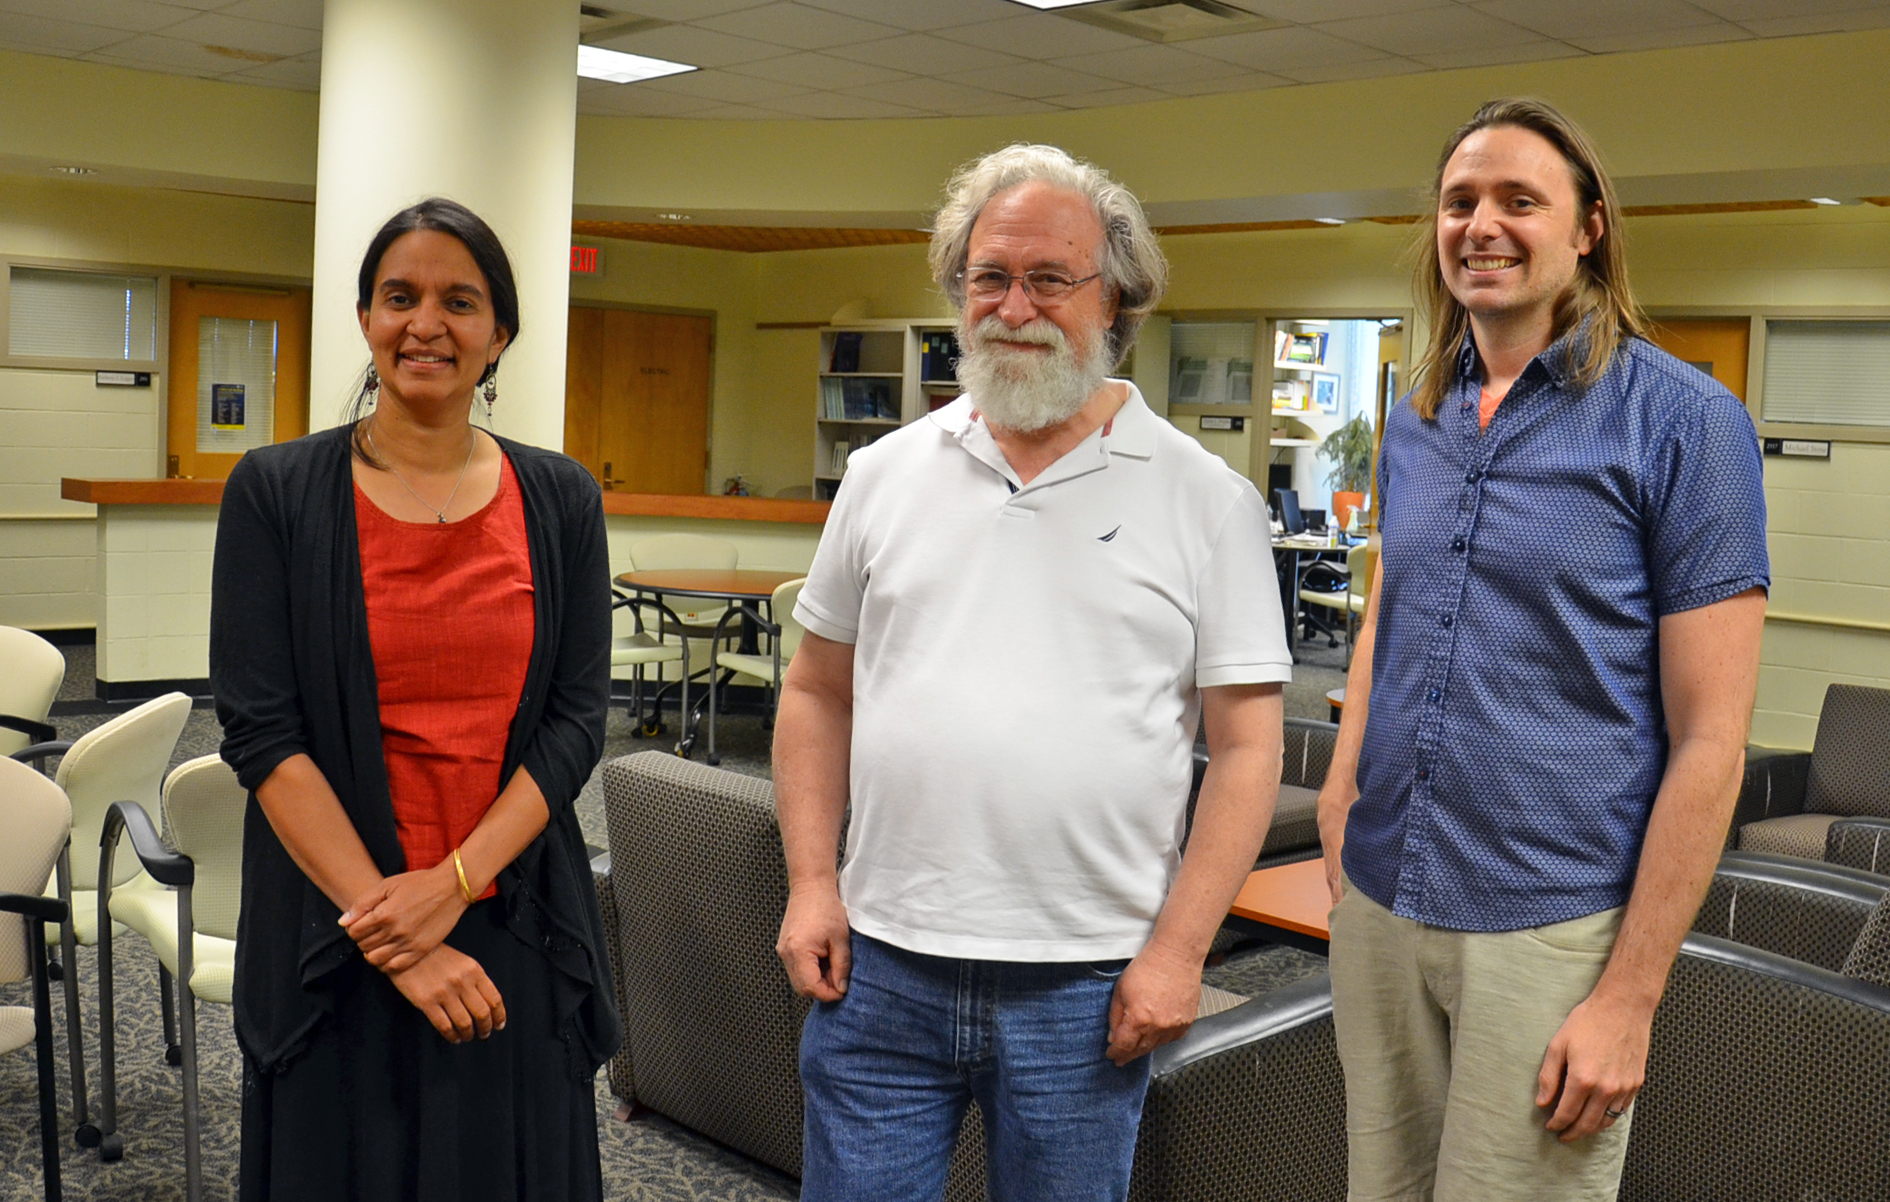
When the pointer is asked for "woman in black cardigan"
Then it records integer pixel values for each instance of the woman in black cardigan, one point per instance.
(415, 1030)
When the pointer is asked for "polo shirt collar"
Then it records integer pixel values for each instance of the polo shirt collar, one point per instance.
(1131, 433)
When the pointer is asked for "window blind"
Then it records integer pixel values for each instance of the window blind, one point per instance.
(1827, 373)
(81, 315)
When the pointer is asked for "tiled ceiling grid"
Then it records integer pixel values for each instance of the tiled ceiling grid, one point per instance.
(840, 59)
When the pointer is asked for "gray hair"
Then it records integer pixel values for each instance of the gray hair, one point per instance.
(1129, 259)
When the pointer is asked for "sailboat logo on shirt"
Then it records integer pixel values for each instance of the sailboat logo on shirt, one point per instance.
(1103, 538)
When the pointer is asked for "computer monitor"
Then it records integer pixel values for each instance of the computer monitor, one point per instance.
(1286, 502)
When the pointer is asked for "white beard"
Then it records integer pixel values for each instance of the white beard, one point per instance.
(1028, 390)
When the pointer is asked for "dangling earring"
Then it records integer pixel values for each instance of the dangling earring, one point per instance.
(371, 386)
(491, 392)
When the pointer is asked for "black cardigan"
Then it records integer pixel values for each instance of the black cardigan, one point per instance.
(293, 672)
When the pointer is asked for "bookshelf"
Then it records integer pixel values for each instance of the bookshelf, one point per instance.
(874, 377)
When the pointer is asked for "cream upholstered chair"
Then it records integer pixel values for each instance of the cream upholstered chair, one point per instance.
(784, 637)
(35, 822)
(1350, 601)
(31, 670)
(640, 649)
(191, 925)
(123, 760)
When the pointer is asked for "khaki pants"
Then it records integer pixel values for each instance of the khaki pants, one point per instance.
(1441, 1034)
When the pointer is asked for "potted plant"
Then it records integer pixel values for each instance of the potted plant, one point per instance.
(1350, 449)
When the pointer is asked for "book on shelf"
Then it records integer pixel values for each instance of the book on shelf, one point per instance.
(839, 464)
(846, 351)
(938, 355)
(1300, 350)
(859, 400)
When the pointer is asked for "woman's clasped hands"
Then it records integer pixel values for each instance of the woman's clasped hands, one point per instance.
(400, 925)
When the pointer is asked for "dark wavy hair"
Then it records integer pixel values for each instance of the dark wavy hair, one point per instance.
(488, 253)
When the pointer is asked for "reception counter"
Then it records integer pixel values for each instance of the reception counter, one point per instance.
(156, 539)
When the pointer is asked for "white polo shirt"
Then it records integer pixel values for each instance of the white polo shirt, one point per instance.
(1026, 676)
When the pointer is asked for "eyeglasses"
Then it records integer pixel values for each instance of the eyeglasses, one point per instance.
(1043, 287)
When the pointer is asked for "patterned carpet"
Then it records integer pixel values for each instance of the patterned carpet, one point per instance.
(649, 1160)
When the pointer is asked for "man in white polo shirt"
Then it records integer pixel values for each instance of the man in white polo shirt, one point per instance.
(1023, 607)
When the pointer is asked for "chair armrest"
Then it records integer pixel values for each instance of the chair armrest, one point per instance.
(39, 751)
(1859, 843)
(1773, 787)
(166, 866)
(39, 732)
(33, 905)
(1809, 911)
(1258, 1018)
(1308, 751)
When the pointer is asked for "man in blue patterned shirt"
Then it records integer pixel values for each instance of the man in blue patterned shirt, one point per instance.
(1547, 714)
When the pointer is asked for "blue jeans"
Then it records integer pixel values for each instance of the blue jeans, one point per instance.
(889, 1069)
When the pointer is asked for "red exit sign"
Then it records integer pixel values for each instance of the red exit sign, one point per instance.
(583, 260)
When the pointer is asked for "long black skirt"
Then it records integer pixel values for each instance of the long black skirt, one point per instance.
(380, 1108)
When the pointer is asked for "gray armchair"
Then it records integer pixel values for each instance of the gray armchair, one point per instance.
(1859, 843)
(1306, 753)
(1789, 801)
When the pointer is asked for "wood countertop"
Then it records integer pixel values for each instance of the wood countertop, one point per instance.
(210, 492)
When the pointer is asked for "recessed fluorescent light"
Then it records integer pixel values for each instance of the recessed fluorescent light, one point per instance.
(1330, 220)
(1055, 3)
(1825, 200)
(614, 66)
(75, 170)
(674, 216)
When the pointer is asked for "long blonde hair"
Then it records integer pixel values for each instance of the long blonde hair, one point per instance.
(1600, 287)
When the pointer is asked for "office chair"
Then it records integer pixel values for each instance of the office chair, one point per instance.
(35, 823)
(784, 636)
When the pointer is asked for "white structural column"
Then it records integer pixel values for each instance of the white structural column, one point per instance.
(473, 100)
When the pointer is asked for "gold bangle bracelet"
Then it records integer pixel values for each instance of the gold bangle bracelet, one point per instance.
(465, 890)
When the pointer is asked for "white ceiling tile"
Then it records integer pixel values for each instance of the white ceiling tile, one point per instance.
(1114, 96)
(39, 35)
(818, 71)
(630, 100)
(304, 14)
(1308, 11)
(721, 85)
(1246, 81)
(919, 15)
(697, 47)
(303, 74)
(1034, 81)
(260, 37)
(1764, 10)
(1843, 22)
(797, 25)
(1499, 56)
(679, 10)
(1275, 49)
(1340, 72)
(1595, 18)
(132, 16)
(741, 112)
(1013, 106)
(924, 54)
(835, 106)
(1660, 39)
(1431, 31)
(1147, 65)
(932, 95)
(154, 50)
(1041, 35)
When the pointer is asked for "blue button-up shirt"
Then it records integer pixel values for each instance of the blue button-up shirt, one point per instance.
(1516, 738)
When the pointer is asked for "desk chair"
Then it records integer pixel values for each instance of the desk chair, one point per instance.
(639, 649)
(1349, 600)
(191, 925)
(35, 824)
(784, 636)
(31, 670)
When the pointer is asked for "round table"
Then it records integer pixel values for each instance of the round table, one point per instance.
(743, 588)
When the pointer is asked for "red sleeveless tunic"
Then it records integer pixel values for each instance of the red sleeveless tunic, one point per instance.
(450, 620)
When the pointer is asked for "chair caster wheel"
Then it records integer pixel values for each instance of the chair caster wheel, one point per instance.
(715, 761)
(174, 1056)
(111, 1147)
(55, 971)
(651, 731)
(87, 1136)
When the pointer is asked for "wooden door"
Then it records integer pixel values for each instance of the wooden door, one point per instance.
(239, 374)
(1716, 346)
(636, 403)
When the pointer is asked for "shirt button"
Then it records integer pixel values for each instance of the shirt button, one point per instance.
(1434, 694)
(1472, 476)
(1457, 544)
(1445, 621)
(1424, 774)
